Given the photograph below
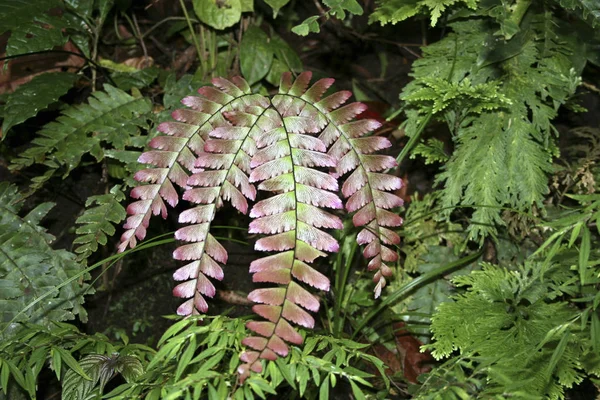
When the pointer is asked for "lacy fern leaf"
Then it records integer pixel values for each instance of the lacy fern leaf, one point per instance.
(29, 267)
(394, 11)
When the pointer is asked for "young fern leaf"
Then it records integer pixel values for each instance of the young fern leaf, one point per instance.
(285, 164)
(226, 165)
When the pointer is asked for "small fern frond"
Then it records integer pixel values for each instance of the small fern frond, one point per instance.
(225, 165)
(174, 156)
(285, 165)
(112, 116)
(96, 223)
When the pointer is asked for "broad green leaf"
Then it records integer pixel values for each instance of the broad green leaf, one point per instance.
(66, 356)
(256, 55)
(247, 5)
(584, 253)
(309, 25)
(34, 96)
(31, 27)
(219, 14)
(285, 54)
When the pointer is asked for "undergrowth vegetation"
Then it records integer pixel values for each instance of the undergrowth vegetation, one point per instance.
(437, 238)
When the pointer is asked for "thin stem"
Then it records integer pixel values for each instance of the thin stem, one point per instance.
(194, 38)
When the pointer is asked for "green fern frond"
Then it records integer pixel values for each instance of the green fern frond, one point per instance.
(96, 223)
(112, 116)
(30, 25)
(35, 96)
(394, 11)
(432, 151)
(29, 267)
(589, 9)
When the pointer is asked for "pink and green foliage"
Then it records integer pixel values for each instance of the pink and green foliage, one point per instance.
(295, 147)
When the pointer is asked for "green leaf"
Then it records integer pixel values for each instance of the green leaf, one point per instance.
(338, 8)
(324, 389)
(589, 9)
(247, 5)
(34, 96)
(256, 55)
(31, 27)
(309, 25)
(584, 253)
(219, 14)
(285, 54)
(356, 391)
(276, 5)
(71, 362)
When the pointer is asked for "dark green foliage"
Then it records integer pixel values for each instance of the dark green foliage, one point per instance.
(112, 116)
(30, 268)
(96, 223)
(35, 96)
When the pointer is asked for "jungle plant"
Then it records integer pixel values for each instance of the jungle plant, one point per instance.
(231, 138)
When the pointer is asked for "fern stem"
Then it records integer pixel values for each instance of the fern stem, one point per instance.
(342, 273)
(414, 138)
(194, 38)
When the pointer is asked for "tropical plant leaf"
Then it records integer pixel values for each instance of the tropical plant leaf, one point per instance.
(35, 96)
(29, 268)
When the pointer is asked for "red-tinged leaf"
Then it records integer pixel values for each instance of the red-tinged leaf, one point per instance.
(317, 238)
(241, 83)
(188, 271)
(229, 132)
(207, 178)
(210, 268)
(168, 143)
(249, 356)
(388, 254)
(285, 83)
(279, 242)
(158, 158)
(276, 223)
(278, 346)
(285, 331)
(375, 162)
(273, 205)
(240, 119)
(199, 304)
(347, 113)
(314, 178)
(316, 91)
(365, 236)
(201, 195)
(270, 313)
(178, 175)
(386, 200)
(235, 197)
(271, 169)
(365, 215)
(384, 181)
(214, 161)
(296, 124)
(272, 296)
(372, 249)
(318, 218)
(198, 214)
(388, 218)
(186, 308)
(270, 153)
(256, 367)
(185, 289)
(300, 84)
(371, 144)
(177, 129)
(193, 233)
(222, 146)
(274, 262)
(193, 117)
(267, 138)
(168, 192)
(380, 285)
(359, 128)
(302, 297)
(255, 342)
(293, 313)
(359, 199)
(305, 273)
(151, 175)
(333, 101)
(188, 252)
(280, 277)
(306, 253)
(347, 163)
(281, 183)
(356, 181)
(307, 142)
(317, 197)
(204, 286)
(215, 249)
(240, 180)
(263, 328)
(215, 95)
(309, 158)
(200, 104)
(375, 263)
(269, 354)
(388, 236)
(228, 87)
